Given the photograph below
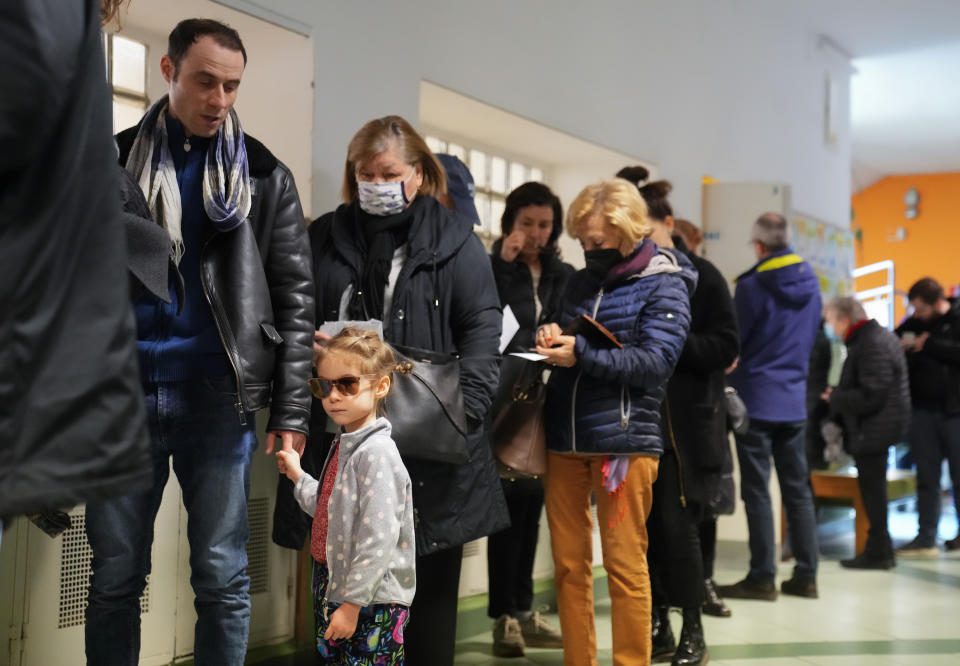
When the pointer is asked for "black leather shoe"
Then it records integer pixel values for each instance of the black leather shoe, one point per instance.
(952, 544)
(867, 561)
(712, 603)
(692, 649)
(800, 587)
(664, 644)
(748, 589)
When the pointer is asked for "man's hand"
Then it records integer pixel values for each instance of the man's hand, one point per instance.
(343, 622)
(921, 341)
(512, 245)
(319, 345)
(733, 366)
(825, 396)
(290, 441)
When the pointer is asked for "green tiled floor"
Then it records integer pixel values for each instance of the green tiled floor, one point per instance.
(907, 616)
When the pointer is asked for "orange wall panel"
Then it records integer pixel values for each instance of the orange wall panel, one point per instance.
(931, 246)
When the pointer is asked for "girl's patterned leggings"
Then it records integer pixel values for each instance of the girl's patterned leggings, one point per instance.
(378, 640)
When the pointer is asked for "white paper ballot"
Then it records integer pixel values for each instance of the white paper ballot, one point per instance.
(331, 328)
(530, 356)
(510, 328)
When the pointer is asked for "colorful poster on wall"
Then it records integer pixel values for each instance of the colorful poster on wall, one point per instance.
(829, 249)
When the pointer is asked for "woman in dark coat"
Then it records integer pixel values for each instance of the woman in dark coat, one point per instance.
(603, 413)
(872, 402)
(393, 252)
(696, 443)
(530, 280)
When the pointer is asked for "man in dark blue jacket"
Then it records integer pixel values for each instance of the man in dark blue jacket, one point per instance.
(778, 307)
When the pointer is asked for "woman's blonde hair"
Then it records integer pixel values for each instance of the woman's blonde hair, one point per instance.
(617, 202)
(368, 351)
(377, 136)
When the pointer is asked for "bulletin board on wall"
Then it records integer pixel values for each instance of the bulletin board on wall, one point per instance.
(829, 249)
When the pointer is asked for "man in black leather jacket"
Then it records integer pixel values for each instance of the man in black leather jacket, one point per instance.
(238, 339)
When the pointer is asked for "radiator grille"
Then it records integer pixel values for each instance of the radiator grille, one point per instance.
(75, 556)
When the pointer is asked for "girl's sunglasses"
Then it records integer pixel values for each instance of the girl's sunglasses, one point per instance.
(345, 385)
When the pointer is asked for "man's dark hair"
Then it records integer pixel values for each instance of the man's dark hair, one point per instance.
(532, 194)
(927, 290)
(188, 31)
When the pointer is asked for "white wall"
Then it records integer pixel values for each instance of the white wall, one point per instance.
(276, 98)
(732, 89)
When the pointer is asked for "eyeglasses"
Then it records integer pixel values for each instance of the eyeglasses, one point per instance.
(345, 385)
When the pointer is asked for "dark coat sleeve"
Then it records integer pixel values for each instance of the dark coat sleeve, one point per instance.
(945, 350)
(715, 345)
(867, 382)
(476, 322)
(36, 51)
(660, 328)
(289, 273)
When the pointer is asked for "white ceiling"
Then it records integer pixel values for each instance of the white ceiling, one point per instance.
(905, 97)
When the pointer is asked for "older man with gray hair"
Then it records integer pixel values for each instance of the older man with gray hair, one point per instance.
(778, 310)
(872, 403)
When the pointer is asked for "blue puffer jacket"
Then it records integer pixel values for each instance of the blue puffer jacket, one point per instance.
(609, 402)
(778, 309)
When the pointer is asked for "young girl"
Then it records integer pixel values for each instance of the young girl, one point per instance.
(362, 542)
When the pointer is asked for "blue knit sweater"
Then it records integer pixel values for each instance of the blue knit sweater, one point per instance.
(186, 346)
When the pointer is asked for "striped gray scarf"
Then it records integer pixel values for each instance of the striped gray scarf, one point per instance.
(226, 176)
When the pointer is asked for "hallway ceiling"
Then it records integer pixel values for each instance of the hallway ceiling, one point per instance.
(905, 96)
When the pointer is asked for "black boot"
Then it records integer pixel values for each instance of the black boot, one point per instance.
(692, 650)
(664, 644)
(712, 602)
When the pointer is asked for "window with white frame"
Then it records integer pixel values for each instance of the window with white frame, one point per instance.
(127, 74)
(494, 177)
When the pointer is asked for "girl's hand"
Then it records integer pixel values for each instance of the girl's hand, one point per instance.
(343, 622)
(288, 463)
(562, 354)
(512, 245)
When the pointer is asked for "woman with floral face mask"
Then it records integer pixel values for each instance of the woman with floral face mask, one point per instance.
(392, 252)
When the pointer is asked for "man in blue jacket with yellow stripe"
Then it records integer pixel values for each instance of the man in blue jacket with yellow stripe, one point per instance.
(778, 309)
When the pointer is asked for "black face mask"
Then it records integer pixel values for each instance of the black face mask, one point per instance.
(599, 262)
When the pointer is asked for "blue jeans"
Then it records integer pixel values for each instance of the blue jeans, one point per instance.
(934, 436)
(197, 423)
(785, 442)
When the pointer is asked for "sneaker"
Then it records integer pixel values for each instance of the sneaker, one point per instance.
(800, 587)
(918, 548)
(539, 633)
(866, 561)
(749, 589)
(952, 544)
(712, 602)
(507, 638)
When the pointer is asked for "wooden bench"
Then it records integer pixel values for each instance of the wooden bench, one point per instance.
(842, 488)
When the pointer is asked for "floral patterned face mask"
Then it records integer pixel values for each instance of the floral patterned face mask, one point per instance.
(383, 198)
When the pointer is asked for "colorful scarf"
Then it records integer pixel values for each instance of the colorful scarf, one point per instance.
(226, 176)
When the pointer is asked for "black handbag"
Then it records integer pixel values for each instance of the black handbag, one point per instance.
(425, 407)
